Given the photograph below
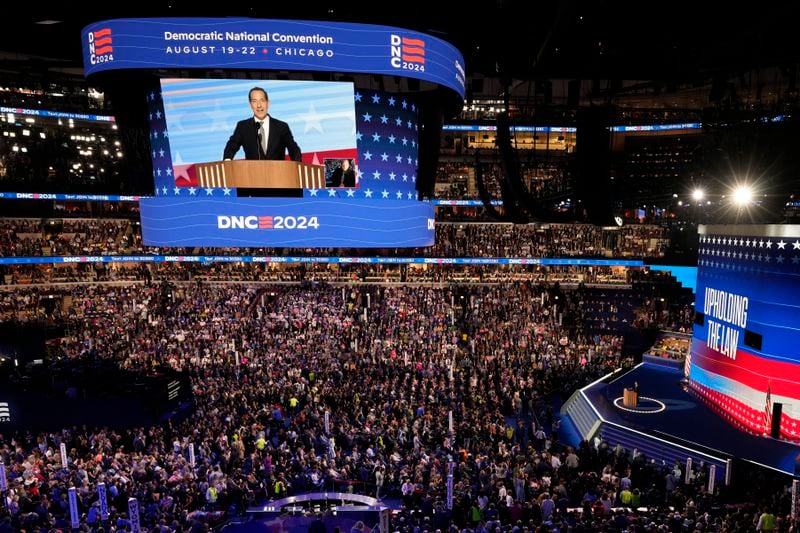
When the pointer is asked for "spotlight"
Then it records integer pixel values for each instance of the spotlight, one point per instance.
(698, 194)
(742, 195)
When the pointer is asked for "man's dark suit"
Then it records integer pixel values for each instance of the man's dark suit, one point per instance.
(279, 141)
(343, 178)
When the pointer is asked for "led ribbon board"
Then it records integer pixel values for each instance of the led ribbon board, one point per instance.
(262, 44)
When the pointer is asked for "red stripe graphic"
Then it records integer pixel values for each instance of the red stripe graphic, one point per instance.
(413, 50)
(413, 59)
(103, 41)
(413, 42)
(742, 415)
(102, 33)
(783, 378)
(103, 50)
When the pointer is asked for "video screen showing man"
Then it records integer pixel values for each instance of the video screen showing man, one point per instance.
(343, 175)
(261, 136)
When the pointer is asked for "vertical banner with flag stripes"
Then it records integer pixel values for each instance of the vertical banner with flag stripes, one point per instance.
(768, 410)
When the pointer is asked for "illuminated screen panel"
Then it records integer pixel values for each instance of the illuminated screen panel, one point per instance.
(744, 350)
(268, 44)
(376, 133)
(201, 115)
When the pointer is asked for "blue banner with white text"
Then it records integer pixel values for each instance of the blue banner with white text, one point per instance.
(286, 222)
(298, 45)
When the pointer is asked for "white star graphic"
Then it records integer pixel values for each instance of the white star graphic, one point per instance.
(405, 176)
(398, 121)
(367, 117)
(331, 192)
(376, 99)
(313, 120)
(168, 171)
(209, 191)
(158, 115)
(368, 193)
(392, 176)
(367, 155)
(384, 156)
(769, 244)
(385, 194)
(410, 195)
(404, 104)
(161, 152)
(391, 101)
(165, 134)
(351, 193)
(384, 119)
(164, 190)
(405, 141)
(399, 195)
(312, 192)
(392, 139)
(226, 191)
(781, 245)
(376, 175)
(358, 97)
(192, 191)
(399, 158)
(358, 135)
(376, 137)
(796, 245)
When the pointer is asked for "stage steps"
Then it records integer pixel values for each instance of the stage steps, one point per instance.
(580, 412)
(661, 451)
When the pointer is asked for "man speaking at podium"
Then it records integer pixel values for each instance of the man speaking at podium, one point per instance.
(261, 136)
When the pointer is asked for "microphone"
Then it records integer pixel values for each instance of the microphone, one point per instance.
(258, 133)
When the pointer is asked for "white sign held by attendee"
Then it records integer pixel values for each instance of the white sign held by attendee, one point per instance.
(327, 422)
(191, 454)
(712, 478)
(795, 499)
(688, 477)
(3, 480)
(728, 469)
(64, 463)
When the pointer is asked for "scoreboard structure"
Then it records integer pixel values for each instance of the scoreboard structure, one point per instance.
(745, 360)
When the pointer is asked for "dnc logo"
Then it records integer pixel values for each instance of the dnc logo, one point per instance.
(100, 49)
(407, 53)
(5, 412)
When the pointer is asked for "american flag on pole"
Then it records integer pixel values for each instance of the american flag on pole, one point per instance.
(768, 411)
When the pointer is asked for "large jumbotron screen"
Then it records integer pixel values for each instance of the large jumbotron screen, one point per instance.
(744, 355)
(201, 200)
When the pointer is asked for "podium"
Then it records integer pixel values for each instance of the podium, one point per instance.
(261, 174)
(630, 398)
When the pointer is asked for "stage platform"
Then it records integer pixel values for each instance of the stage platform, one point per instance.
(671, 423)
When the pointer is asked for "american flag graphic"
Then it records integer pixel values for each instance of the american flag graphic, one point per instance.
(412, 50)
(101, 42)
(768, 411)
(387, 140)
